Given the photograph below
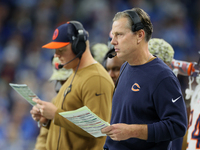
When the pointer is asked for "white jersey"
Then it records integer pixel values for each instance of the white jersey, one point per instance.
(193, 137)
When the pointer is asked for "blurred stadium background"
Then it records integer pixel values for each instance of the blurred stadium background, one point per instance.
(26, 25)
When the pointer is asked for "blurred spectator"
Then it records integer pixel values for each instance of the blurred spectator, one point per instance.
(98, 51)
(112, 65)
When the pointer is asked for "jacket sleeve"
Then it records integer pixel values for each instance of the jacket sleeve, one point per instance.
(170, 106)
(41, 139)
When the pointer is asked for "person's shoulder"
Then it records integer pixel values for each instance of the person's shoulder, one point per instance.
(95, 69)
(160, 65)
(100, 71)
(160, 69)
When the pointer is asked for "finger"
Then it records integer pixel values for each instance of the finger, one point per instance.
(34, 99)
(42, 111)
(110, 134)
(103, 131)
(40, 102)
(35, 108)
(37, 100)
(35, 112)
(38, 106)
(106, 129)
(35, 117)
(114, 138)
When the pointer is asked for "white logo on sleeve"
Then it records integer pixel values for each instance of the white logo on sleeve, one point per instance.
(174, 100)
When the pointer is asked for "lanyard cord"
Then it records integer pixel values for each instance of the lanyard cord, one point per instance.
(68, 90)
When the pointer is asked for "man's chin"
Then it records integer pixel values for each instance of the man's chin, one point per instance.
(114, 81)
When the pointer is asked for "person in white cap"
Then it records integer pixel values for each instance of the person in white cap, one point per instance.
(98, 51)
(161, 49)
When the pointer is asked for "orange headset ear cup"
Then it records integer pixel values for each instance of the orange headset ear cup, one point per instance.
(79, 42)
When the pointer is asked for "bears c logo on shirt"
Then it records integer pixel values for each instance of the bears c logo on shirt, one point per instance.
(135, 87)
(55, 34)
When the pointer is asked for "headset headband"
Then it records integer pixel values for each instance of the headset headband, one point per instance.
(135, 19)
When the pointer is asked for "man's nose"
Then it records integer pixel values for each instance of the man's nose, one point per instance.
(113, 41)
(56, 55)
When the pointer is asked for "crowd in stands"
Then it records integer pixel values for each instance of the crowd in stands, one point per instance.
(26, 25)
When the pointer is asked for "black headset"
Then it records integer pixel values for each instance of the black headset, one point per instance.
(79, 42)
(135, 27)
(135, 19)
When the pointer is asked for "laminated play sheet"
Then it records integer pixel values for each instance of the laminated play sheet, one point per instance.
(87, 120)
(25, 92)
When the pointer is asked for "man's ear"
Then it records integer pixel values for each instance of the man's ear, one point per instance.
(140, 35)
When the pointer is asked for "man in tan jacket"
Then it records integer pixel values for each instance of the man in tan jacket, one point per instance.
(89, 85)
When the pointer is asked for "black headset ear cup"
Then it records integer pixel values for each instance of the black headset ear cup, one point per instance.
(74, 46)
(137, 27)
(79, 42)
(79, 45)
(135, 19)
